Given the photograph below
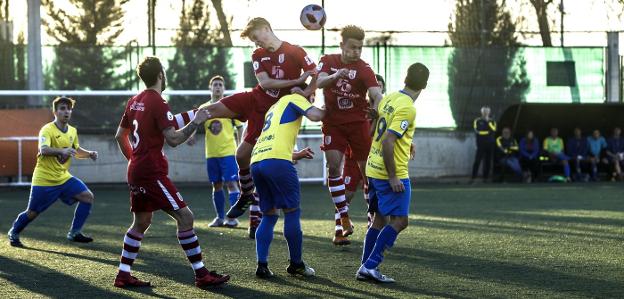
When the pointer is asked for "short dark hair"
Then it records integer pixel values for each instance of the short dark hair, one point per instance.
(63, 100)
(149, 69)
(215, 78)
(417, 76)
(352, 31)
(253, 24)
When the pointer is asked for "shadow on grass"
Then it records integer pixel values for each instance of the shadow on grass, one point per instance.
(46, 281)
(154, 262)
(514, 274)
(511, 230)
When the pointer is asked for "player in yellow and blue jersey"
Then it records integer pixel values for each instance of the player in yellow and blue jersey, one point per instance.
(276, 179)
(386, 169)
(58, 143)
(222, 137)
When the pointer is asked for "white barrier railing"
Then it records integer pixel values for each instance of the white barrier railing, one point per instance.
(19, 140)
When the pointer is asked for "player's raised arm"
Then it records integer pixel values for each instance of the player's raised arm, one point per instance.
(268, 83)
(375, 96)
(175, 137)
(315, 113)
(325, 79)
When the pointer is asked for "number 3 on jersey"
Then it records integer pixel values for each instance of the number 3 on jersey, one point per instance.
(135, 134)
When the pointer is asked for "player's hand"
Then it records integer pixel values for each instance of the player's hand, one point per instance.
(412, 151)
(396, 184)
(201, 116)
(305, 153)
(304, 77)
(191, 141)
(68, 152)
(298, 91)
(93, 155)
(342, 73)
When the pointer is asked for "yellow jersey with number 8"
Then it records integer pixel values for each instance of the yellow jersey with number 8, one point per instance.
(281, 127)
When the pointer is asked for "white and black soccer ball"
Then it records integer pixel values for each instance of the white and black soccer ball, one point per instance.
(313, 17)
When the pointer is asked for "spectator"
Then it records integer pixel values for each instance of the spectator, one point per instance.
(529, 156)
(596, 144)
(507, 152)
(553, 146)
(615, 152)
(484, 128)
(577, 148)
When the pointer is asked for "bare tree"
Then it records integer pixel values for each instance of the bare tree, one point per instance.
(541, 11)
(225, 23)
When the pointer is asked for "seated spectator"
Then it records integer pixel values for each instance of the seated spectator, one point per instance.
(553, 146)
(507, 150)
(577, 149)
(596, 144)
(529, 156)
(615, 153)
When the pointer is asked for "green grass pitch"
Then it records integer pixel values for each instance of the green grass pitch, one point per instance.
(536, 241)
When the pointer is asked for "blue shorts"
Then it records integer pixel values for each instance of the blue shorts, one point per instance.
(387, 202)
(277, 184)
(42, 197)
(222, 169)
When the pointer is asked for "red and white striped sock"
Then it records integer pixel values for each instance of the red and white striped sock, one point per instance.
(337, 190)
(255, 215)
(132, 243)
(184, 118)
(247, 185)
(189, 242)
(338, 224)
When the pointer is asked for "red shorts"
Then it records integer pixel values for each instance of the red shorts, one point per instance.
(355, 135)
(159, 194)
(251, 107)
(351, 174)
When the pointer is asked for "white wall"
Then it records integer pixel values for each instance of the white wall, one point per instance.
(438, 154)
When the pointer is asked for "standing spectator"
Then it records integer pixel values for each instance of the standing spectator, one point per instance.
(615, 152)
(508, 150)
(577, 148)
(529, 156)
(596, 144)
(553, 146)
(484, 128)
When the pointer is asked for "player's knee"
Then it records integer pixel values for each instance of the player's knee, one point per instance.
(274, 212)
(186, 219)
(141, 225)
(232, 186)
(217, 186)
(349, 195)
(399, 223)
(31, 214)
(89, 197)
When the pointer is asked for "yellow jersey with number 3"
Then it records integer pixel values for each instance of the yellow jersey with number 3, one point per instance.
(52, 170)
(281, 127)
(397, 115)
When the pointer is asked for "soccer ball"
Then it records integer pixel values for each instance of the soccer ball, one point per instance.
(313, 17)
